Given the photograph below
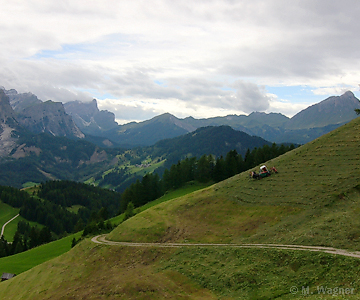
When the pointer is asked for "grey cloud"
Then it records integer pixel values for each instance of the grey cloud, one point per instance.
(58, 81)
(125, 113)
(182, 50)
(139, 83)
(49, 92)
(250, 97)
(307, 41)
(242, 96)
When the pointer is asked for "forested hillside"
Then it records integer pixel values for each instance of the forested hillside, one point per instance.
(42, 157)
(61, 207)
(216, 141)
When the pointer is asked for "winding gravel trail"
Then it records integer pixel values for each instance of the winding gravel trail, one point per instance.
(101, 239)
(3, 228)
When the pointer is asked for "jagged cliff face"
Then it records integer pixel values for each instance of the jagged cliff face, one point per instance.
(25, 156)
(89, 118)
(38, 116)
(8, 126)
(7, 114)
(49, 117)
(21, 101)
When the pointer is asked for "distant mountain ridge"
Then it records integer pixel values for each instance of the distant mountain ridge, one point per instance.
(333, 110)
(305, 126)
(76, 118)
(216, 140)
(148, 132)
(21, 101)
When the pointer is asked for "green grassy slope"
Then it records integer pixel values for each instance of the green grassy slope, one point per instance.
(24, 261)
(313, 200)
(91, 271)
(187, 189)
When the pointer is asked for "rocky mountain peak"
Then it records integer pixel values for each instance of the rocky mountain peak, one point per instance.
(6, 111)
(21, 101)
(332, 110)
(89, 118)
(8, 125)
(49, 117)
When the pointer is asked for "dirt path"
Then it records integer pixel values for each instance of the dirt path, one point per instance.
(101, 239)
(3, 228)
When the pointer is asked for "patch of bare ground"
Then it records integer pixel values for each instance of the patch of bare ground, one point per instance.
(23, 151)
(7, 142)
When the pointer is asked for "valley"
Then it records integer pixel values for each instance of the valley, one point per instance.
(77, 141)
(312, 202)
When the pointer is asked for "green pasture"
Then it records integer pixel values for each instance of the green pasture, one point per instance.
(24, 261)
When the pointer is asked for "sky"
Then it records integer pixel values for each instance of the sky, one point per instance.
(200, 58)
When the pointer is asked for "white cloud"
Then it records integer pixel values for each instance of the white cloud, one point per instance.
(197, 58)
(251, 97)
(334, 90)
(284, 107)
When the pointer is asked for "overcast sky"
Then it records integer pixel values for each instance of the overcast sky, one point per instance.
(189, 58)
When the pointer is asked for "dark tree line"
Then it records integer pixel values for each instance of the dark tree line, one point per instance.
(68, 193)
(26, 237)
(51, 210)
(206, 168)
(56, 196)
(52, 215)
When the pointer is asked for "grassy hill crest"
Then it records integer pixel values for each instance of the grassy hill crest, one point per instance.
(312, 201)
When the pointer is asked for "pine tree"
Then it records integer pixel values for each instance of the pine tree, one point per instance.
(129, 211)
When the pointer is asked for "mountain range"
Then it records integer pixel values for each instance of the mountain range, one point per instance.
(303, 127)
(76, 119)
(50, 140)
(215, 140)
(40, 142)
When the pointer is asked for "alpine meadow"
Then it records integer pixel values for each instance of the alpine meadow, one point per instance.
(291, 235)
